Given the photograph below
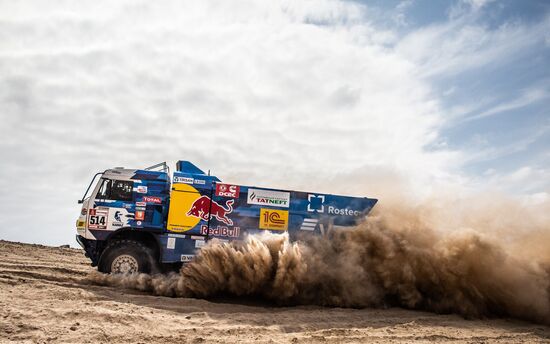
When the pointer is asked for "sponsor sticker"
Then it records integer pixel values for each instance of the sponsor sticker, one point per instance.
(268, 198)
(98, 220)
(186, 258)
(186, 180)
(200, 243)
(274, 219)
(141, 189)
(152, 199)
(171, 243)
(199, 181)
(227, 190)
(141, 204)
(139, 215)
(118, 221)
(176, 235)
(221, 231)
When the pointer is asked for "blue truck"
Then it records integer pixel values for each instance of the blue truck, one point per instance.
(138, 220)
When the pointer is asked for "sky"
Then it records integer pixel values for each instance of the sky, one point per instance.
(346, 97)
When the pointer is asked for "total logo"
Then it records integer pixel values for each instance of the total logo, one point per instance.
(152, 199)
(204, 208)
(227, 190)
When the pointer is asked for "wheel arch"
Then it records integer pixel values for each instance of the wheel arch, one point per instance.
(146, 238)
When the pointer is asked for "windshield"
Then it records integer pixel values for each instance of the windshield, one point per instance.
(89, 186)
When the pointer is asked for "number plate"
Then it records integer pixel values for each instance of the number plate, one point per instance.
(98, 220)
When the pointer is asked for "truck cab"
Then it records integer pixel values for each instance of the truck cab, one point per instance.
(123, 212)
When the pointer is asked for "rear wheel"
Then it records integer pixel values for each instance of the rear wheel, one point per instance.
(127, 256)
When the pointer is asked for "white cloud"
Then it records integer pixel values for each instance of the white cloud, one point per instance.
(527, 181)
(282, 94)
(461, 43)
(292, 94)
(480, 149)
(399, 16)
(528, 97)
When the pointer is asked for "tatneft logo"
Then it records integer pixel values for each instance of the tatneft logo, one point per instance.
(268, 198)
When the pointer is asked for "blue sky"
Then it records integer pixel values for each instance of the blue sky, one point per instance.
(351, 97)
(502, 105)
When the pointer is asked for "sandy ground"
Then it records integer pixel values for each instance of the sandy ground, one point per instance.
(43, 299)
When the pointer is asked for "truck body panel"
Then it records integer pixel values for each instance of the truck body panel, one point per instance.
(195, 207)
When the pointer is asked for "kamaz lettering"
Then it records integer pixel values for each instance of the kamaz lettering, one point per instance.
(139, 216)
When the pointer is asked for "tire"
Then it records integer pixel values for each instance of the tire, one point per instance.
(127, 256)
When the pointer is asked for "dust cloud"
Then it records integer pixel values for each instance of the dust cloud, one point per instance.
(433, 257)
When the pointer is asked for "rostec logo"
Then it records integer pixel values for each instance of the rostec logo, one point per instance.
(343, 211)
(273, 219)
(204, 208)
(268, 198)
(227, 190)
(316, 203)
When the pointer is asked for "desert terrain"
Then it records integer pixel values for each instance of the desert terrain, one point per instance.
(44, 297)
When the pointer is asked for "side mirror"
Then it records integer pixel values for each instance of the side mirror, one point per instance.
(80, 201)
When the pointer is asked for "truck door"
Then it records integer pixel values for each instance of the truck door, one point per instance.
(109, 208)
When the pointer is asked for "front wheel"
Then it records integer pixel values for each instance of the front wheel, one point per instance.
(126, 257)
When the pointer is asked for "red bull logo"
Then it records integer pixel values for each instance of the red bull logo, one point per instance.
(204, 208)
(223, 231)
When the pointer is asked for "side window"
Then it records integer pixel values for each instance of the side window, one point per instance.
(116, 190)
(121, 190)
(104, 190)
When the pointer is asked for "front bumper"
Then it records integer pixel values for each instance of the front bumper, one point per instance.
(92, 248)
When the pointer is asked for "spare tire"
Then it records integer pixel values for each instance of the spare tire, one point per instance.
(126, 257)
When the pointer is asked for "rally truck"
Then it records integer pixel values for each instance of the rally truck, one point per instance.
(140, 220)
